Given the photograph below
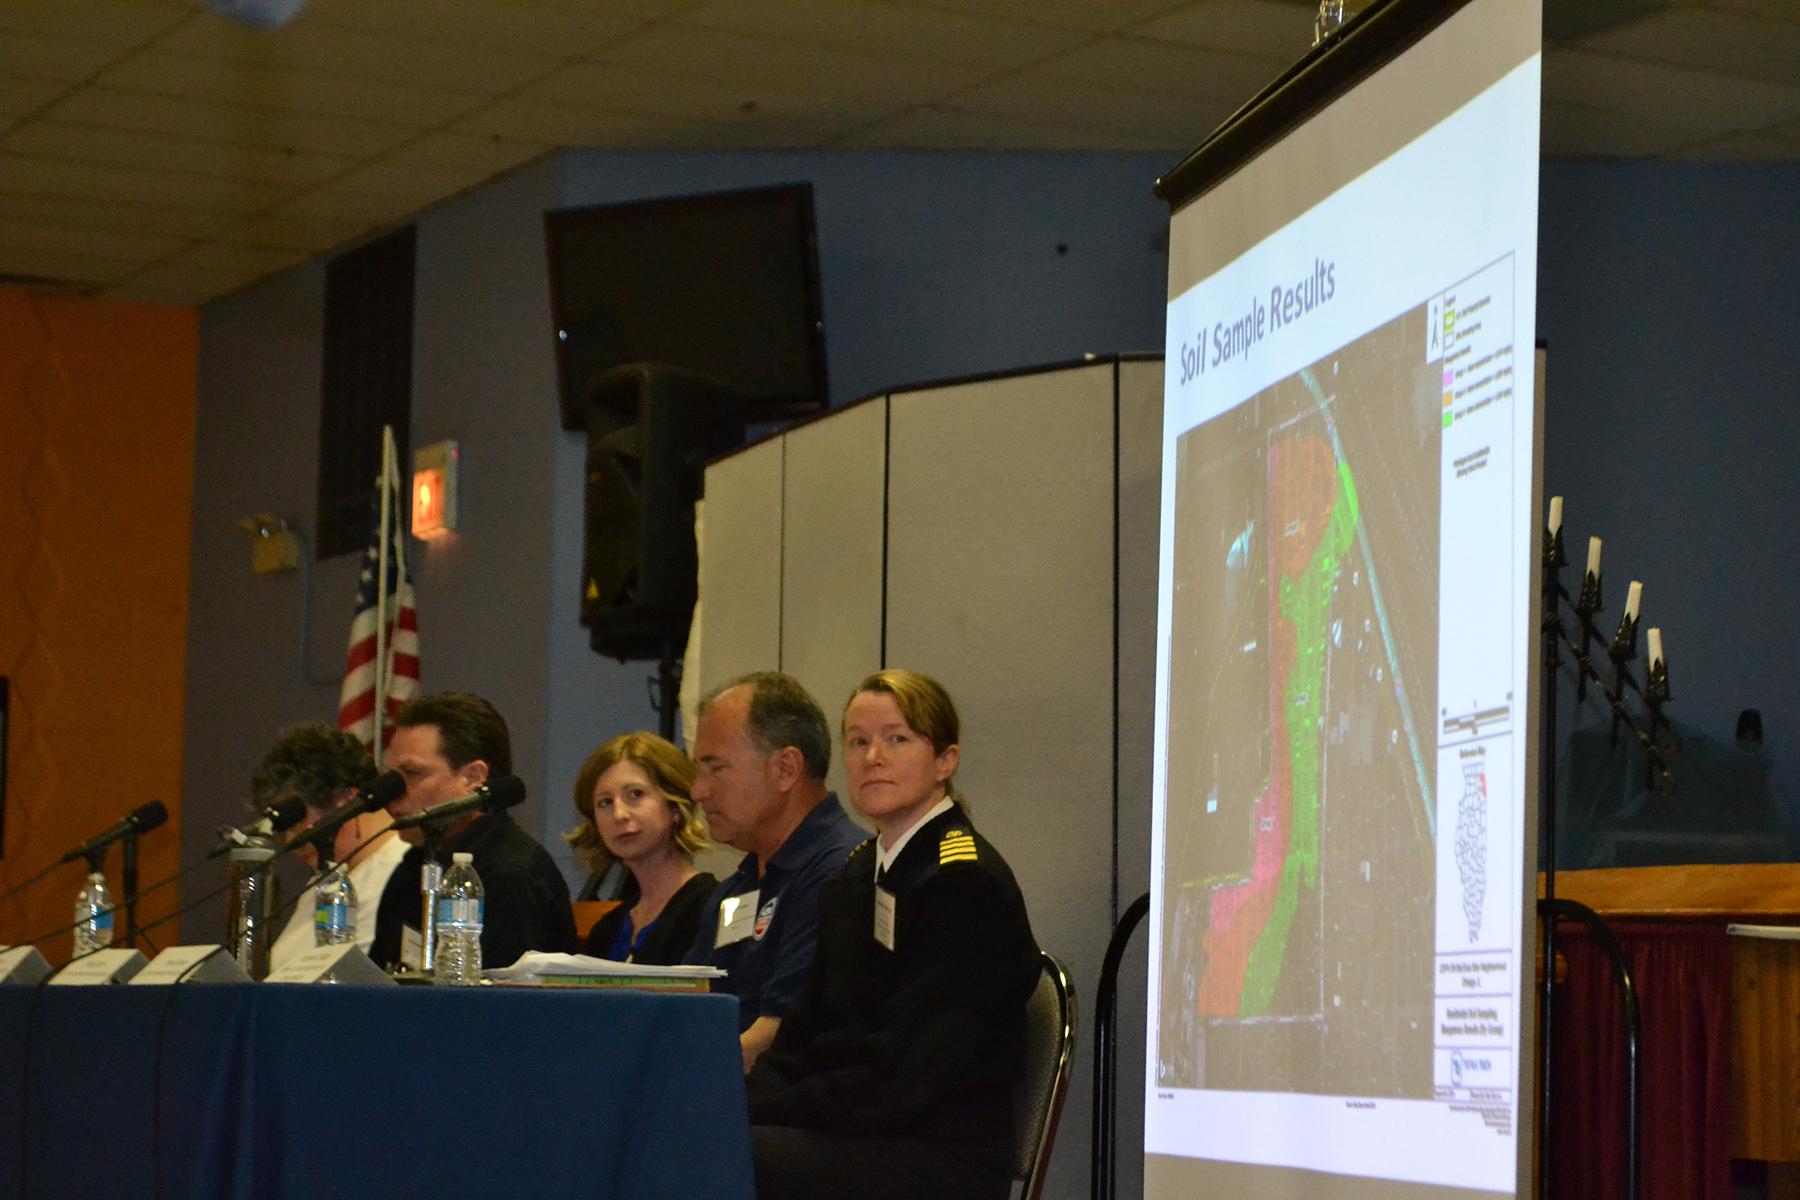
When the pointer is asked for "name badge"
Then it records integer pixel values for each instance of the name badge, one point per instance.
(737, 918)
(412, 948)
(884, 917)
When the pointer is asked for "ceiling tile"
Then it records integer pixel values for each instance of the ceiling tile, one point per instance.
(234, 82)
(1163, 68)
(234, 257)
(35, 56)
(1032, 95)
(343, 207)
(570, 125)
(176, 296)
(1745, 147)
(1728, 43)
(986, 43)
(65, 266)
(743, 108)
(1282, 32)
(176, 277)
(96, 144)
(717, 55)
(1070, 14)
(48, 178)
(938, 127)
(1576, 131)
(121, 245)
(227, 122)
(406, 186)
(312, 233)
(309, 49)
(488, 154)
(19, 95)
(108, 22)
(565, 30)
(1777, 10)
(106, 216)
(1690, 104)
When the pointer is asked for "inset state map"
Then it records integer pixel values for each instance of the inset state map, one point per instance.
(1297, 944)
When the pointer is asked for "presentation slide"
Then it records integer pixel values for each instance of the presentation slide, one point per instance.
(1339, 956)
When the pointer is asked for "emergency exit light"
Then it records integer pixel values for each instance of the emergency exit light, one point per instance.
(434, 490)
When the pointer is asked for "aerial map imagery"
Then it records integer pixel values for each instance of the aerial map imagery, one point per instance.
(1302, 859)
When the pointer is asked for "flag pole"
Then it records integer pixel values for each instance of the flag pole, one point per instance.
(388, 469)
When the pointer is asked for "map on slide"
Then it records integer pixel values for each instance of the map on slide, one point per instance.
(1301, 840)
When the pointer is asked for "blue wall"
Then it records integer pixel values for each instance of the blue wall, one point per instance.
(1669, 296)
(933, 265)
(1664, 299)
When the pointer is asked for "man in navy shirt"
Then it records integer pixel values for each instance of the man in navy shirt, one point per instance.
(762, 748)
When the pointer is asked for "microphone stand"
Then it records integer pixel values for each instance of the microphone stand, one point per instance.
(1550, 638)
(128, 883)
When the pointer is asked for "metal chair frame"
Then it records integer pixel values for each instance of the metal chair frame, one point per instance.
(1050, 1114)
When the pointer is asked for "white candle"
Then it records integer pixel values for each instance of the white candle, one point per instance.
(1656, 654)
(1555, 515)
(1594, 556)
(1633, 596)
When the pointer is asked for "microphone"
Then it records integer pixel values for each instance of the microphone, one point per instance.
(142, 819)
(491, 796)
(272, 818)
(388, 787)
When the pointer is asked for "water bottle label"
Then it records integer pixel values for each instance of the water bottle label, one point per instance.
(103, 923)
(460, 911)
(331, 918)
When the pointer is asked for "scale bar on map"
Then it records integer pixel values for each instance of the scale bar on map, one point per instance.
(1472, 723)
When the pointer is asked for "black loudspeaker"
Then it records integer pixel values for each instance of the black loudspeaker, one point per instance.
(651, 429)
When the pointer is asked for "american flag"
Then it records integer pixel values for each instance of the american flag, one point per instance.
(385, 630)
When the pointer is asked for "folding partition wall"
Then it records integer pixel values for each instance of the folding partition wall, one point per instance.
(975, 530)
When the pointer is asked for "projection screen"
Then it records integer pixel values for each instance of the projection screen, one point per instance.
(1341, 955)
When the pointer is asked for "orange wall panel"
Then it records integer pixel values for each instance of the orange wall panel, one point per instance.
(97, 404)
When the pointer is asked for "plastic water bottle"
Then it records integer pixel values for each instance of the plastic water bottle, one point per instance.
(334, 909)
(460, 909)
(93, 916)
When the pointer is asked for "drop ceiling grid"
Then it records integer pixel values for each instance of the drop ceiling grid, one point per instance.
(149, 145)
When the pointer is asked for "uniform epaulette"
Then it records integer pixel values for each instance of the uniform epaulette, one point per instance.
(859, 848)
(957, 845)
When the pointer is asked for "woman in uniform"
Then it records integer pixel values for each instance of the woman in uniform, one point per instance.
(893, 1074)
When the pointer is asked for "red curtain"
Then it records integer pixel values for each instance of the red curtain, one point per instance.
(1683, 978)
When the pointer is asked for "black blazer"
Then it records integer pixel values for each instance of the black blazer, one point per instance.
(670, 934)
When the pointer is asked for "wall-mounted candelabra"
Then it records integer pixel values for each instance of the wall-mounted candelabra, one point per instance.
(1653, 734)
(1651, 729)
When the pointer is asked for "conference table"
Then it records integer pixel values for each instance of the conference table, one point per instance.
(291, 1092)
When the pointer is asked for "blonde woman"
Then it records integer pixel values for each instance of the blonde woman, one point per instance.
(893, 1074)
(638, 792)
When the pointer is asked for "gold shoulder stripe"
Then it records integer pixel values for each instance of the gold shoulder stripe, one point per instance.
(956, 856)
(858, 848)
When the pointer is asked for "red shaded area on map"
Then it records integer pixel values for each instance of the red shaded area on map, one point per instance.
(1301, 484)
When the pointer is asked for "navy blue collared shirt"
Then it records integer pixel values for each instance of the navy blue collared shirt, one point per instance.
(767, 970)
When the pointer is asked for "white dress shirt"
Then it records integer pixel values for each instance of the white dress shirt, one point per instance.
(369, 877)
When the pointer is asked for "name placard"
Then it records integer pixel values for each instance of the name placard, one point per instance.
(102, 966)
(23, 965)
(331, 964)
(192, 964)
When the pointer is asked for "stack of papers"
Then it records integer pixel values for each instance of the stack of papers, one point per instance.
(539, 969)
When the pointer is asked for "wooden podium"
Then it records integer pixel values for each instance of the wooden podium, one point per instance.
(1765, 984)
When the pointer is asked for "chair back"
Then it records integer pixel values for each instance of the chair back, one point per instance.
(1049, 1055)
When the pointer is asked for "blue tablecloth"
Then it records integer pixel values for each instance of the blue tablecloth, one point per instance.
(295, 1093)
